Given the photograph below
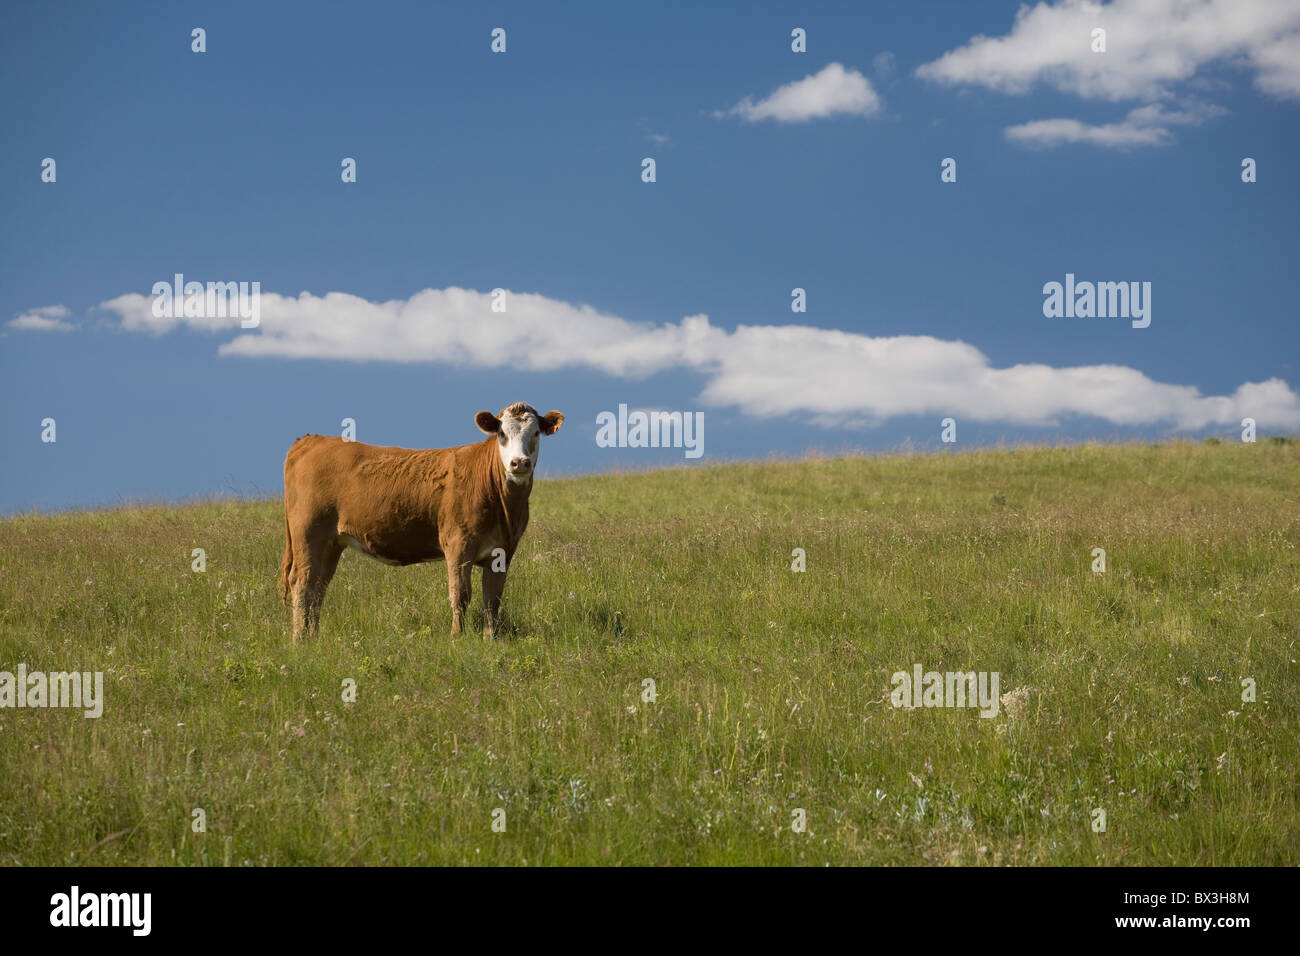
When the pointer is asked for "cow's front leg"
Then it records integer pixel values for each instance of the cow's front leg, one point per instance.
(459, 588)
(494, 582)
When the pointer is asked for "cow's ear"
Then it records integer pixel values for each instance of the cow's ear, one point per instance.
(551, 422)
(488, 422)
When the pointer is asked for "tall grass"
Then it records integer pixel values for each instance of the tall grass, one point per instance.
(1122, 691)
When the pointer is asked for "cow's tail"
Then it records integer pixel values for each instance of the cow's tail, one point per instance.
(286, 563)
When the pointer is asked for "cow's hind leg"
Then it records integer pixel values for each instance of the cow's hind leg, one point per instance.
(316, 557)
(459, 588)
(326, 564)
(299, 570)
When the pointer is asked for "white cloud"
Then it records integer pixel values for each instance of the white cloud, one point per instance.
(652, 135)
(774, 370)
(1151, 45)
(452, 325)
(1277, 63)
(1143, 126)
(834, 91)
(48, 318)
(829, 376)
(1152, 48)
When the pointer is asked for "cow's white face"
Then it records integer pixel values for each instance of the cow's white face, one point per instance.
(518, 442)
(518, 432)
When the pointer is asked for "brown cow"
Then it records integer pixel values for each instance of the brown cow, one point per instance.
(403, 506)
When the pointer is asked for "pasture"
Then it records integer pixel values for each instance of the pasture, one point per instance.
(1121, 691)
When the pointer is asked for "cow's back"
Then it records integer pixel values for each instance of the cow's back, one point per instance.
(385, 498)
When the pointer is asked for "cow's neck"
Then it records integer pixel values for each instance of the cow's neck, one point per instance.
(513, 499)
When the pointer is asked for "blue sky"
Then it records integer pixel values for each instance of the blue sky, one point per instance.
(522, 171)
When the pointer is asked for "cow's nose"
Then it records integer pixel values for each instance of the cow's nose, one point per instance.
(518, 464)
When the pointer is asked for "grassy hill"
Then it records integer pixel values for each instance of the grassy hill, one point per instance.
(1121, 691)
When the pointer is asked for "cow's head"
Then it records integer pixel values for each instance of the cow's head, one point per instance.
(518, 430)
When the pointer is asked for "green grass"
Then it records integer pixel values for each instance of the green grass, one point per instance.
(773, 687)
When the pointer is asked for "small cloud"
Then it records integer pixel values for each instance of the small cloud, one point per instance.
(1157, 50)
(884, 64)
(48, 318)
(1144, 126)
(650, 135)
(1154, 45)
(834, 91)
